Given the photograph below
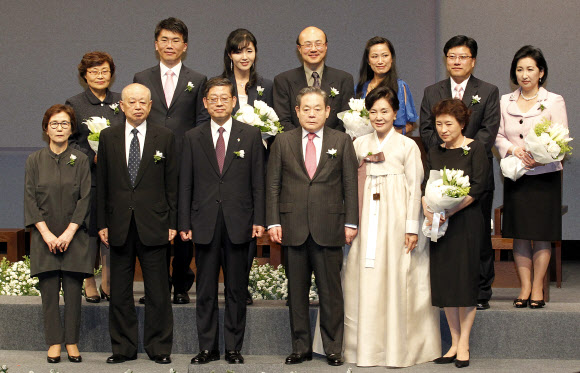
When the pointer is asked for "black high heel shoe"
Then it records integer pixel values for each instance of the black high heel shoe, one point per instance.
(520, 303)
(537, 303)
(104, 295)
(53, 360)
(445, 360)
(75, 359)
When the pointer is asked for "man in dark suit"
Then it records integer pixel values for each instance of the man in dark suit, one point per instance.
(221, 208)
(312, 210)
(339, 85)
(176, 92)
(483, 100)
(137, 217)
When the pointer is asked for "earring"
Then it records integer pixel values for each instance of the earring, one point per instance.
(231, 65)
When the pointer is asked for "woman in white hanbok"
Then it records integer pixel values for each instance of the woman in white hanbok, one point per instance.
(389, 319)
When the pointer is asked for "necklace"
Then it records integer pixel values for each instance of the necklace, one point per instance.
(462, 144)
(526, 98)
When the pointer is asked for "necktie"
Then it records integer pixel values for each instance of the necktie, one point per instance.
(169, 87)
(310, 157)
(316, 78)
(134, 156)
(458, 92)
(220, 149)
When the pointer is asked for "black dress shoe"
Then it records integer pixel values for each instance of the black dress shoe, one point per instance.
(75, 359)
(234, 357)
(162, 359)
(118, 358)
(461, 363)
(445, 360)
(205, 357)
(142, 300)
(53, 360)
(104, 295)
(482, 304)
(180, 298)
(334, 360)
(295, 358)
(249, 301)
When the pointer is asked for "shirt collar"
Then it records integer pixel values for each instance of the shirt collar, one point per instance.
(309, 72)
(318, 133)
(227, 126)
(142, 128)
(176, 69)
(462, 84)
(95, 101)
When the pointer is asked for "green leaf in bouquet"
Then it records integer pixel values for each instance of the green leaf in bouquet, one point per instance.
(94, 136)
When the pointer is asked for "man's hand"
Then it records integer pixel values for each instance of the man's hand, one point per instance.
(186, 236)
(350, 234)
(275, 234)
(172, 234)
(104, 235)
(257, 231)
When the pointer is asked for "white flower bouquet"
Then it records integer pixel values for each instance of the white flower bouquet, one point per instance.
(546, 141)
(267, 282)
(445, 190)
(96, 125)
(356, 120)
(15, 278)
(262, 116)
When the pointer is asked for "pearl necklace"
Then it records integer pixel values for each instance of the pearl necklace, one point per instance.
(526, 98)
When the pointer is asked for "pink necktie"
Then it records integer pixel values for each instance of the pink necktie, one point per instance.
(220, 149)
(458, 92)
(169, 87)
(310, 157)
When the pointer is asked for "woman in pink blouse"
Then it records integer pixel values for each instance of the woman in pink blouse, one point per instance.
(532, 204)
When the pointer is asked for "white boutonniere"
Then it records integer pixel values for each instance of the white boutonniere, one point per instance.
(260, 90)
(238, 139)
(240, 154)
(158, 156)
(115, 107)
(466, 149)
(475, 99)
(189, 87)
(334, 92)
(332, 153)
(72, 160)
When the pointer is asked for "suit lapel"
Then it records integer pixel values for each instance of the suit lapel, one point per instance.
(148, 152)
(253, 94)
(233, 145)
(470, 90)
(181, 84)
(445, 89)
(206, 143)
(296, 147)
(327, 81)
(157, 85)
(120, 151)
(299, 81)
(328, 142)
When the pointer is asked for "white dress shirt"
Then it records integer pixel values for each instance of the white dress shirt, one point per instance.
(215, 134)
(142, 128)
(317, 143)
(176, 70)
(463, 84)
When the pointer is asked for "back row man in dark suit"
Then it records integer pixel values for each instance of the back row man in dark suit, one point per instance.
(176, 91)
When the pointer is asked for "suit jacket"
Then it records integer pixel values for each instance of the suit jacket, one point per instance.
(483, 122)
(289, 83)
(253, 92)
(186, 109)
(320, 207)
(153, 199)
(239, 188)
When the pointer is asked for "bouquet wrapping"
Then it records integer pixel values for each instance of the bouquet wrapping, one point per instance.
(356, 120)
(445, 190)
(96, 125)
(546, 141)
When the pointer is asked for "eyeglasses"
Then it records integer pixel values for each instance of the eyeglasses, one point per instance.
(318, 45)
(214, 99)
(64, 124)
(163, 42)
(462, 58)
(98, 72)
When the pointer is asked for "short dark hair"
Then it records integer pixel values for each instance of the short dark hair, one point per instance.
(460, 41)
(298, 37)
(218, 81)
(59, 108)
(308, 90)
(454, 107)
(533, 53)
(172, 24)
(92, 59)
(382, 92)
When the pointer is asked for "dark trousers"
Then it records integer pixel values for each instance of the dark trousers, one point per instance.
(252, 252)
(182, 277)
(326, 262)
(49, 284)
(486, 268)
(158, 328)
(233, 259)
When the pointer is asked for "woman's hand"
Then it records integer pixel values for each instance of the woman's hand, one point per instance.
(51, 240)
(66, 237)
(410, 242)
(526, 158)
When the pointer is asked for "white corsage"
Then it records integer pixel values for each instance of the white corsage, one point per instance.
(260, 90)
(475, 99)
(189, 87)
(334, 92)
(466, 149)
(72, 160)
(158, 156)
(240, 154)
(332, 153)
(115, 107)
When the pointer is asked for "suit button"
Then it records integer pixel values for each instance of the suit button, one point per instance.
(521, 121)
(130, 207)
(218, 201)
(168, 117)
(521, 136)
(221, 181)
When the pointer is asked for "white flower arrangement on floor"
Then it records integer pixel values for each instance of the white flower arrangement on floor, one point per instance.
(267, 282)
(15, 278)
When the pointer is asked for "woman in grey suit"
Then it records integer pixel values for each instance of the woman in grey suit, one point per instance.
(56, 207)
(97, 70)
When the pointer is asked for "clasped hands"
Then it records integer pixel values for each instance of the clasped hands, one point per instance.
(526, 158)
